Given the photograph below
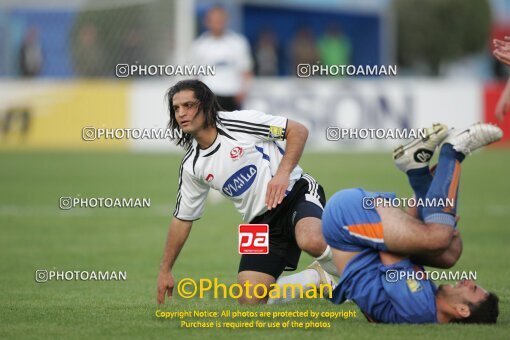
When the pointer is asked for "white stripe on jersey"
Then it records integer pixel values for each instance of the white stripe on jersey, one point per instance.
(235, 125)
(312, 195)
(313, 186)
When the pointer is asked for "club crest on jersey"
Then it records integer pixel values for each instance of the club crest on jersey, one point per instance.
(209, 178)
(240, 181)
(236, 153)
(413, 285)
(275, 132)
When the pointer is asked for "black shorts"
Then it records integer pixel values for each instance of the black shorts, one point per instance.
(306, 199)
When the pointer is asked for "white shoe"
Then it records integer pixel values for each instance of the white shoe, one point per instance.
(474, 137)
(325, 278)
(418, 153)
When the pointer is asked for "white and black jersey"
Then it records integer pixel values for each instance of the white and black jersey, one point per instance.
(242, 160)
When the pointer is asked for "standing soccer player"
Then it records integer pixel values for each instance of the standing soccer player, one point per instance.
(241, 154)
(230, 53)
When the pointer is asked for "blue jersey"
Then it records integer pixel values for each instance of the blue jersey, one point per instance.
(383, 294)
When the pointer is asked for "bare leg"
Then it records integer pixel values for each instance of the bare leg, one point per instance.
(446, 259)
(310, 239)
(434, 238)
(309, 236)
(406, 235)
(254, 278)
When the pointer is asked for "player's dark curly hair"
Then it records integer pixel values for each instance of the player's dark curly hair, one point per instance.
(208, 104)
(486, 311)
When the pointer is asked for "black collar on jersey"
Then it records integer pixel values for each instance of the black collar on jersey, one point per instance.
(214, 151)
(210, 145)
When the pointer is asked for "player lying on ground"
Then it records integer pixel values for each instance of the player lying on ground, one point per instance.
(241, 154)
(374, 247)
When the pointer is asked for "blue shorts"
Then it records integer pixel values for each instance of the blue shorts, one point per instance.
(351, 223)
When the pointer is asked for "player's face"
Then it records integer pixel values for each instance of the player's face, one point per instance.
(216, 20)
(188, 117)
(464, 291)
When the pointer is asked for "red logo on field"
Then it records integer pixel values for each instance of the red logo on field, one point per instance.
(236, 153)
(253, 239)
(209, 178)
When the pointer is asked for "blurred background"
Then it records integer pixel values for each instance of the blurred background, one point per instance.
(58, 61)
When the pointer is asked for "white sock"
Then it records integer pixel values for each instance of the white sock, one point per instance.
(326, 262)
(305, 278)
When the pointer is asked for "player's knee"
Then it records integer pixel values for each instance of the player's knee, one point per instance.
(314, 244)
(250, 296)
(448, 262)
(439, 237)
(254, 289)
(450, 259)
(309, 237)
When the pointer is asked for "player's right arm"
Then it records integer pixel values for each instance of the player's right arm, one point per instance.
(189, 207)
(177, 235)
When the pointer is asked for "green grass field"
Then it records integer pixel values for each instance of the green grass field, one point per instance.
(36, 234)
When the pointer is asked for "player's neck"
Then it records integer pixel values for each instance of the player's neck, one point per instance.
(206, 137)
(441, 307)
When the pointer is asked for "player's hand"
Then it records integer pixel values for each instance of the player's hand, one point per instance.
(502, 50)
(165, 285)
(276, 190)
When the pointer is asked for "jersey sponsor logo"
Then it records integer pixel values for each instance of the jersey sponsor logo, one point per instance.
(240, 181)
(414, 286)
(422, 155)
(253, 239)
(275, 132)
(209, 178)
(236, 153)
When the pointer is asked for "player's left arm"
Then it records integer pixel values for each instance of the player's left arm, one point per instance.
(296, 135)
